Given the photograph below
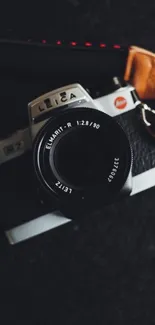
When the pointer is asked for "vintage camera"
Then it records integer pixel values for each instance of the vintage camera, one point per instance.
(84, 151)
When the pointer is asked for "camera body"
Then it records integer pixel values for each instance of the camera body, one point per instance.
(70, 113)
(50, 107)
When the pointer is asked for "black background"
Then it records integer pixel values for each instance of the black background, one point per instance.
(104, 271)
(109, 20)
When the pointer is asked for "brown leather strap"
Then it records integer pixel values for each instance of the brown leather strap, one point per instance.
(140, 72)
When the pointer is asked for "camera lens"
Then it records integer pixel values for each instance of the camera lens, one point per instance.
(78, 157)
(82, 157)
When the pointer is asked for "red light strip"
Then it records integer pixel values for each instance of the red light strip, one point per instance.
(86, 44)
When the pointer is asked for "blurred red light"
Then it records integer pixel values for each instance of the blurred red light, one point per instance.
(88, 44)
(102, 45)
(59, 42)
(73, 43)
(116, 46)
(44, 41)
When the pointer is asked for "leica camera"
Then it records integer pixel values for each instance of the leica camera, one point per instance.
(85, 153)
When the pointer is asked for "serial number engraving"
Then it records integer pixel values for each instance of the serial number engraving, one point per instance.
(63, 187)
(88, 123)
(114, 170)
